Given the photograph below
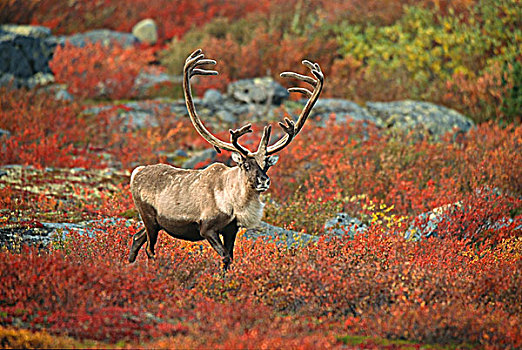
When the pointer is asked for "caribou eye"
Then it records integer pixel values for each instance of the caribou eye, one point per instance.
(246, 166)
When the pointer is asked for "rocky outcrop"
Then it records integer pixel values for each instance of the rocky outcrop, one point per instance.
(25, 52)
(280, 236)
(343, 224)
(343, 110)
(257, 91)
(416, 115)
(40, 234)
(221, 111)
(104, 36)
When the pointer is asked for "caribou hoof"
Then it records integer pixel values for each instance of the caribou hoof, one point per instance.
(226, 263)
(151, 255)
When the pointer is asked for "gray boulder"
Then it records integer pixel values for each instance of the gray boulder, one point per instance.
(212, 97)
(282, 237)
(25, 52)
(104, 36)
(257, 91)
(343, 224)
(414, 115)
(146, 31)
(342, 109)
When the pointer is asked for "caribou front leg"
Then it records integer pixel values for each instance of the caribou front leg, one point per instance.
(212, 237)
(229, 238)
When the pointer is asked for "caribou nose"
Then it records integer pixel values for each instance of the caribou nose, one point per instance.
(263, 184)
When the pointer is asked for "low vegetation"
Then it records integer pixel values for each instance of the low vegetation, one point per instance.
(459, 288)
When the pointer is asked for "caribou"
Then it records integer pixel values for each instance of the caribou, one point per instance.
(214, 202)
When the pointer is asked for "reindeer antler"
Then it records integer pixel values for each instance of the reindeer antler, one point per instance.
(292, 129)
(196, 59)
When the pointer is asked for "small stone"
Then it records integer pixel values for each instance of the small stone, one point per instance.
(226, 117)
(212, 97)
(146, 31)
(5, 133)
(343, 224)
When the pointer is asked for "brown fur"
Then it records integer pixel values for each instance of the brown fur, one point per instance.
(194, 204)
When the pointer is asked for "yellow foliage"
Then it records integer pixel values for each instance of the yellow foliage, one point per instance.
(23, 339)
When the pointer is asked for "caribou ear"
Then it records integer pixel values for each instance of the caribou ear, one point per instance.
(272, 160)
(236, 157)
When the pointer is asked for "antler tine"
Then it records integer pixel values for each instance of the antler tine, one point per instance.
(304, 78)
(303, 91)
(292, 129)
(236, 134)
(201, 62)
(289, 129)
(265, 139)
(194, 54)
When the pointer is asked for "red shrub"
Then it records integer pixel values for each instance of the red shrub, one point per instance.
(479, 96)
(413, 177)
(266, 54)
(44, 132)
(377, 284)
(97, 71)
(173, 18)
(15, 11)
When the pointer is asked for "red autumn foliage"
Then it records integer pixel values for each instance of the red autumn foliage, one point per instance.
(97, 70)
(173, 18)
(44, 132)
(50, 133)
(435, 290)
(265, 54)
(460, 288)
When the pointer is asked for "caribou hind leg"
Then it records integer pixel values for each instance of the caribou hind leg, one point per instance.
(137, 242)
(152, 228)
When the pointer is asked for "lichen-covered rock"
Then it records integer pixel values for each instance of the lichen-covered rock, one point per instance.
(414, 115)
(257, 91)
(146, 31)
(25, 52)
(280, 236)
(27, 30)
(104, 36)
(212, 97)
(148, 80)
(342, 109)
(343, 224)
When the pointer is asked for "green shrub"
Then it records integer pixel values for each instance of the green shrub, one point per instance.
(512, 103)
(416, 55)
